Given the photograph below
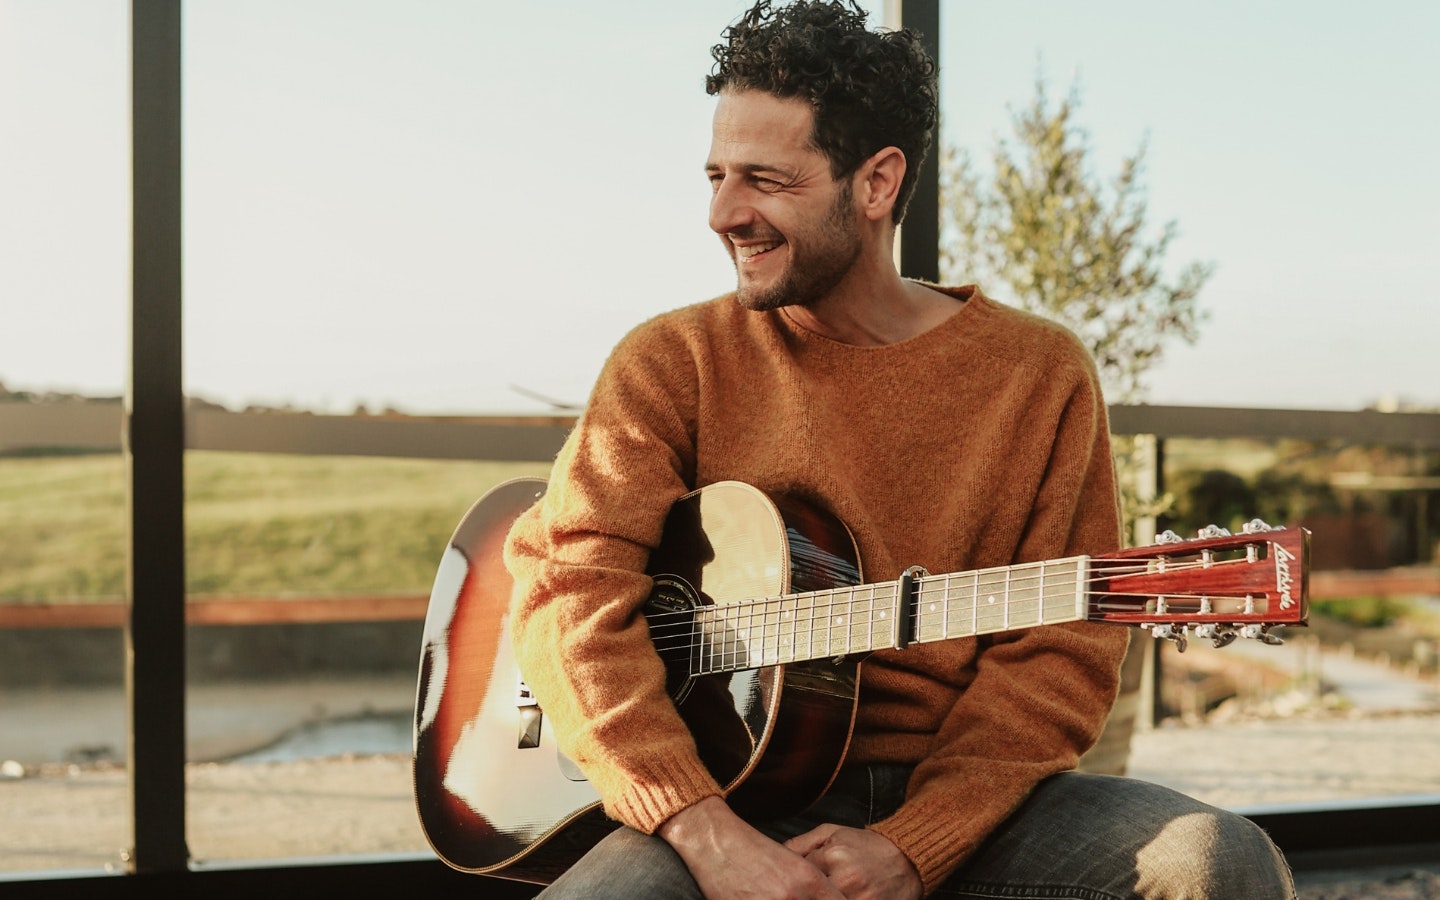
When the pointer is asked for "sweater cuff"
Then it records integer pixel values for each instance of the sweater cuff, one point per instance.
(938, 833)
(935, 841)
(662, 786)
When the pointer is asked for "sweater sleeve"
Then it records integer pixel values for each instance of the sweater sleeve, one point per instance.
(578, 560)
(1040, 696)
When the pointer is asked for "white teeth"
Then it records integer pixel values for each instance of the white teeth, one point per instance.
(754, 249)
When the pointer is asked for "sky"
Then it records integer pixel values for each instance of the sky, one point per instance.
(457, 207)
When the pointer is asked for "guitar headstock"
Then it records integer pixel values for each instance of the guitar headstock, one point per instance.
(1218, 584)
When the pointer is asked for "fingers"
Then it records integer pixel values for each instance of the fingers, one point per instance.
(857, 862)
(812, 840)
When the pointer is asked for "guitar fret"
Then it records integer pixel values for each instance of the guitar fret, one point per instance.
(727, 647)
(984, 600)
(975, 606)
(727, 639)
(875, 618)
(814, 601)
(857, 621)
(700, 644)
(808, 602)
(755, 643)
(731, 654)
(877, 621)
(740, 654)
(1005, 618)
(770, 647)
(870, 617)
(751, 637)
(945, 610)
(710, 635)
(748, 636)
(770, 642)
(917, 618)
(794, 617)
(745, 637)
(846, 619)
(1040, 607)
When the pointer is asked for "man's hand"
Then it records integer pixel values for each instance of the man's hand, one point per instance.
(861, 864)
(730, 860)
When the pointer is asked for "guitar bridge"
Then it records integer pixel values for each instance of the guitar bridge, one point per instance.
(530, 716)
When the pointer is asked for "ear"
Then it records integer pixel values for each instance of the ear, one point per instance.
(877, 183)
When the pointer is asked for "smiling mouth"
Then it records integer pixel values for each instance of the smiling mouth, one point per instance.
(749, 251)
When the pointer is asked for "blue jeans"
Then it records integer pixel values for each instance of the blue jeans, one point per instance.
(1078, 837)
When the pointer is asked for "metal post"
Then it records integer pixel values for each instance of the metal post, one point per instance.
(920, 235)
(154, 444)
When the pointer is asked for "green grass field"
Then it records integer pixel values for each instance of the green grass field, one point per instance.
(256, 524)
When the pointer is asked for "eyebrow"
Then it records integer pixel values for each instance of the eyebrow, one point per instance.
(753, 168)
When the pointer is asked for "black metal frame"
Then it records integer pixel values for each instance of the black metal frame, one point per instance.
(1383, 832)
(920, 234)
(154, 445)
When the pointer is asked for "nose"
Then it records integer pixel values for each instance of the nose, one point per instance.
(729, 210)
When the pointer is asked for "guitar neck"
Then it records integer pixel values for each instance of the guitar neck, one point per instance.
(859, 619)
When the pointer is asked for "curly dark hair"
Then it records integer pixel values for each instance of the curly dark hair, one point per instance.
(869, 89)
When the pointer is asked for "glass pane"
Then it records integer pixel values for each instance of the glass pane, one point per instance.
(64, 292)
(1251, 725)
(1234, 110)
(396, 210)
(308, 578)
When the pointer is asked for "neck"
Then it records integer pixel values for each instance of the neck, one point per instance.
(839, 621)
(874, 308)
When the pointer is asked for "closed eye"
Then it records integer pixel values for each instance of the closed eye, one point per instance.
(762, 179)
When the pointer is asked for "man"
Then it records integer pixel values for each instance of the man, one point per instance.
(945, 431)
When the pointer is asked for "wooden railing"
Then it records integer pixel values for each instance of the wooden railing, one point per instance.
(108, 613)
(100, 426)
(224, 611)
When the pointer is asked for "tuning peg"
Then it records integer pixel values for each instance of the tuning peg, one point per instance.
(1262, 634)
(1168, 537)
(1174, 633)
(1219, 635)
(1257, 525)
(1214, 531)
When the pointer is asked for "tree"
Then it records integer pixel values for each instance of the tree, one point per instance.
(1043, 230)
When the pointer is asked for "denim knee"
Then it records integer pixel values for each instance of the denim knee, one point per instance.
(1213, 853)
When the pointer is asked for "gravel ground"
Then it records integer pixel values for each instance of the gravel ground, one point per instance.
(72, 816)
(59, 816)
(1389, 884)
(1260, 763)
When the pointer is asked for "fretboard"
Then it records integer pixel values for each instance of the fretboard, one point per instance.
(837, 622)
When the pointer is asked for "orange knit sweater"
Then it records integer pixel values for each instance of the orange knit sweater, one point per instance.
(981, 442)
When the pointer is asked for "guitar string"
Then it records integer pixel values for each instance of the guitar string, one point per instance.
(733, 648)
(926, 585)
(847, 592)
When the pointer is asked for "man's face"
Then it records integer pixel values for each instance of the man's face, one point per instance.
(790, 228)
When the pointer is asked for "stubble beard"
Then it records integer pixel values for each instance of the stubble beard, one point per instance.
(820, 258)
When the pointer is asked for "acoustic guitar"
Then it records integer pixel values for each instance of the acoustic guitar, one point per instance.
(762, 619)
